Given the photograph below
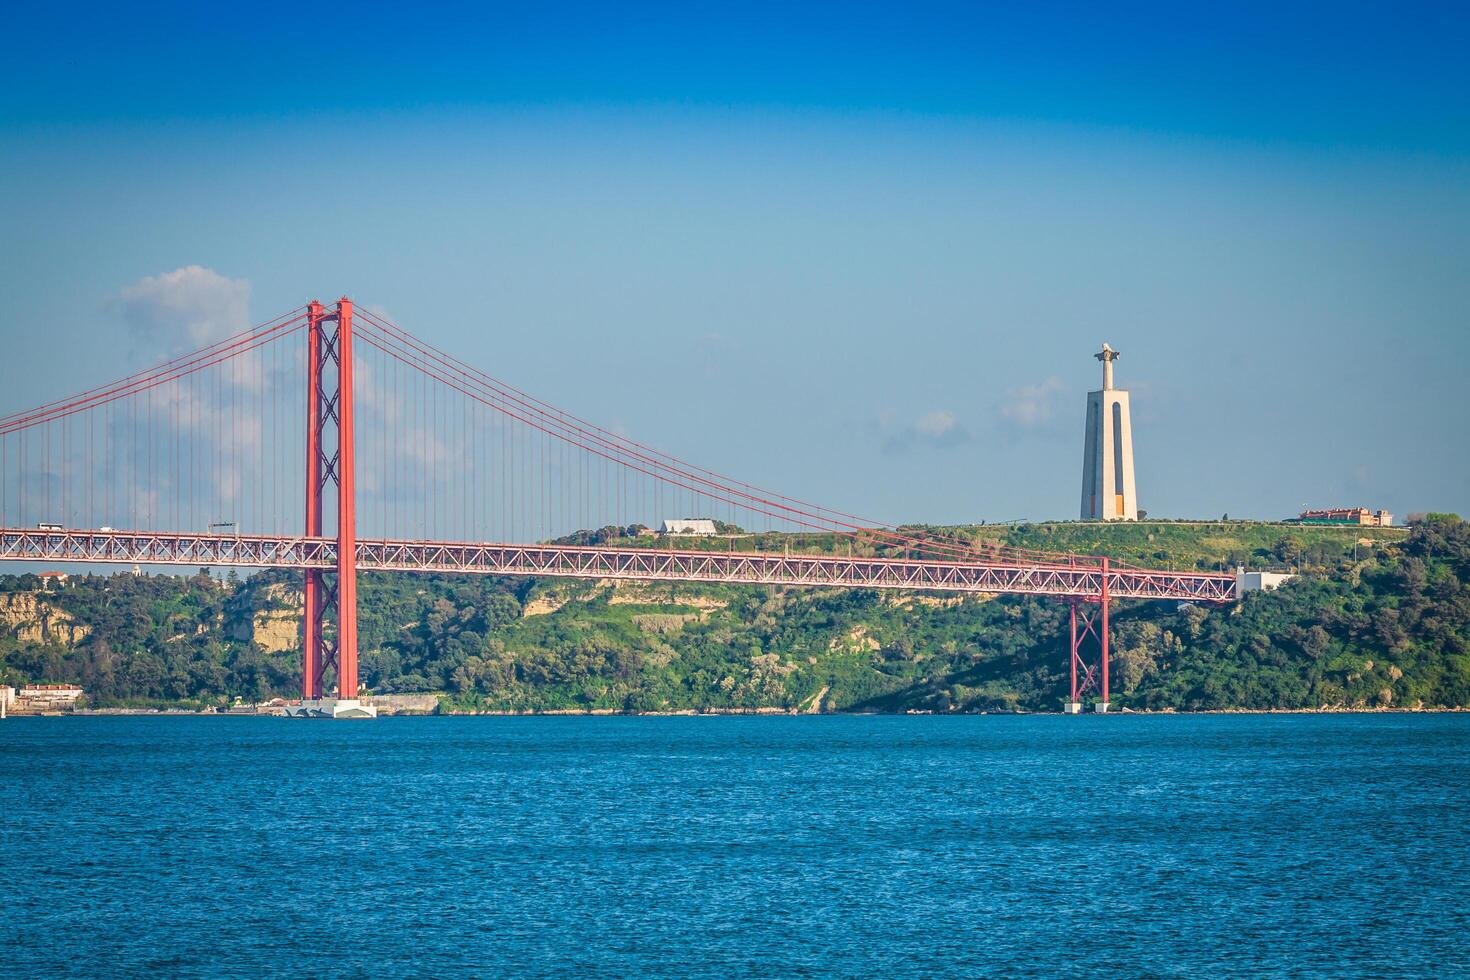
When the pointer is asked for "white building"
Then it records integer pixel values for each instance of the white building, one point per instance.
(1258, 581)
(1108, 493)
(47, 697)
(699, 526)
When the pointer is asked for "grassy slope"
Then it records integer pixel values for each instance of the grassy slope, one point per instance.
(1205, 545)
(1161, 544)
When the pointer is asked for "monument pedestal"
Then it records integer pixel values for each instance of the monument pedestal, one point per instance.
(1108, 491)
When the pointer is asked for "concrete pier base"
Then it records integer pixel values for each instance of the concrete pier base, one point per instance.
(1071, 707)
(331, 708)
(1101, 707)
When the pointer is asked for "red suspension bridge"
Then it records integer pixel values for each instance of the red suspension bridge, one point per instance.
(452, 470)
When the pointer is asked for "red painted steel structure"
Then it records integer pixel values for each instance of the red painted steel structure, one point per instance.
(1103, 604)
(1094, 674)
(327, 643)
(1086, 672)
(312, 639)
(347, 511)
(1072, 655)
(1084, 582)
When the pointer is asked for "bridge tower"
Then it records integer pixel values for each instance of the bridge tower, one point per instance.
(330, 615)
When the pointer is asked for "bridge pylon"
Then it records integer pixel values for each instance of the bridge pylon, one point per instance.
(1089, 674)
(329, 629)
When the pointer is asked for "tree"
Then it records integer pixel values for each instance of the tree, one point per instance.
(1288, 550)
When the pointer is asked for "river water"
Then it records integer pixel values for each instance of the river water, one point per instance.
(773, 846)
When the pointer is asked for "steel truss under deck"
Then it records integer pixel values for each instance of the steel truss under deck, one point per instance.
(1081, 579)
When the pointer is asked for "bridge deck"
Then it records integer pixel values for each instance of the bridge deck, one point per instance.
(1078, 578)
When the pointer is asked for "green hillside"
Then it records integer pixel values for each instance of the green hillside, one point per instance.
(1200, 545)
(1389, 628)
(1203, 545)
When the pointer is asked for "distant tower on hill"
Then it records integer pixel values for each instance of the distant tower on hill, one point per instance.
(1108, 493)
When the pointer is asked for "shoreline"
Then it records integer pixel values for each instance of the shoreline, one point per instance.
(722, 713)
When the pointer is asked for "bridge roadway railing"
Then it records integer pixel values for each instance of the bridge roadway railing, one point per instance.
(1081, 578)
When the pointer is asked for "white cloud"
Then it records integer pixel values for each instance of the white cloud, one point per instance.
(372, 396)
(424, 448)
(936, 424)
(937, 429)
(1032, 407)
(186, 308)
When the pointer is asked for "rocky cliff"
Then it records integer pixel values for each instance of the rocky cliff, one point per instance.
(30, 618)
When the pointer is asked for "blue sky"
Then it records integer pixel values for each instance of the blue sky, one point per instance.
(865, 251)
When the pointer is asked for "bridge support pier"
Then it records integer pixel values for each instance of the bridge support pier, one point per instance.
(1103, 604)
(1087, 675)
(315, 587)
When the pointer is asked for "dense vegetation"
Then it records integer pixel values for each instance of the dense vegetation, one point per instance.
(1389, 626)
